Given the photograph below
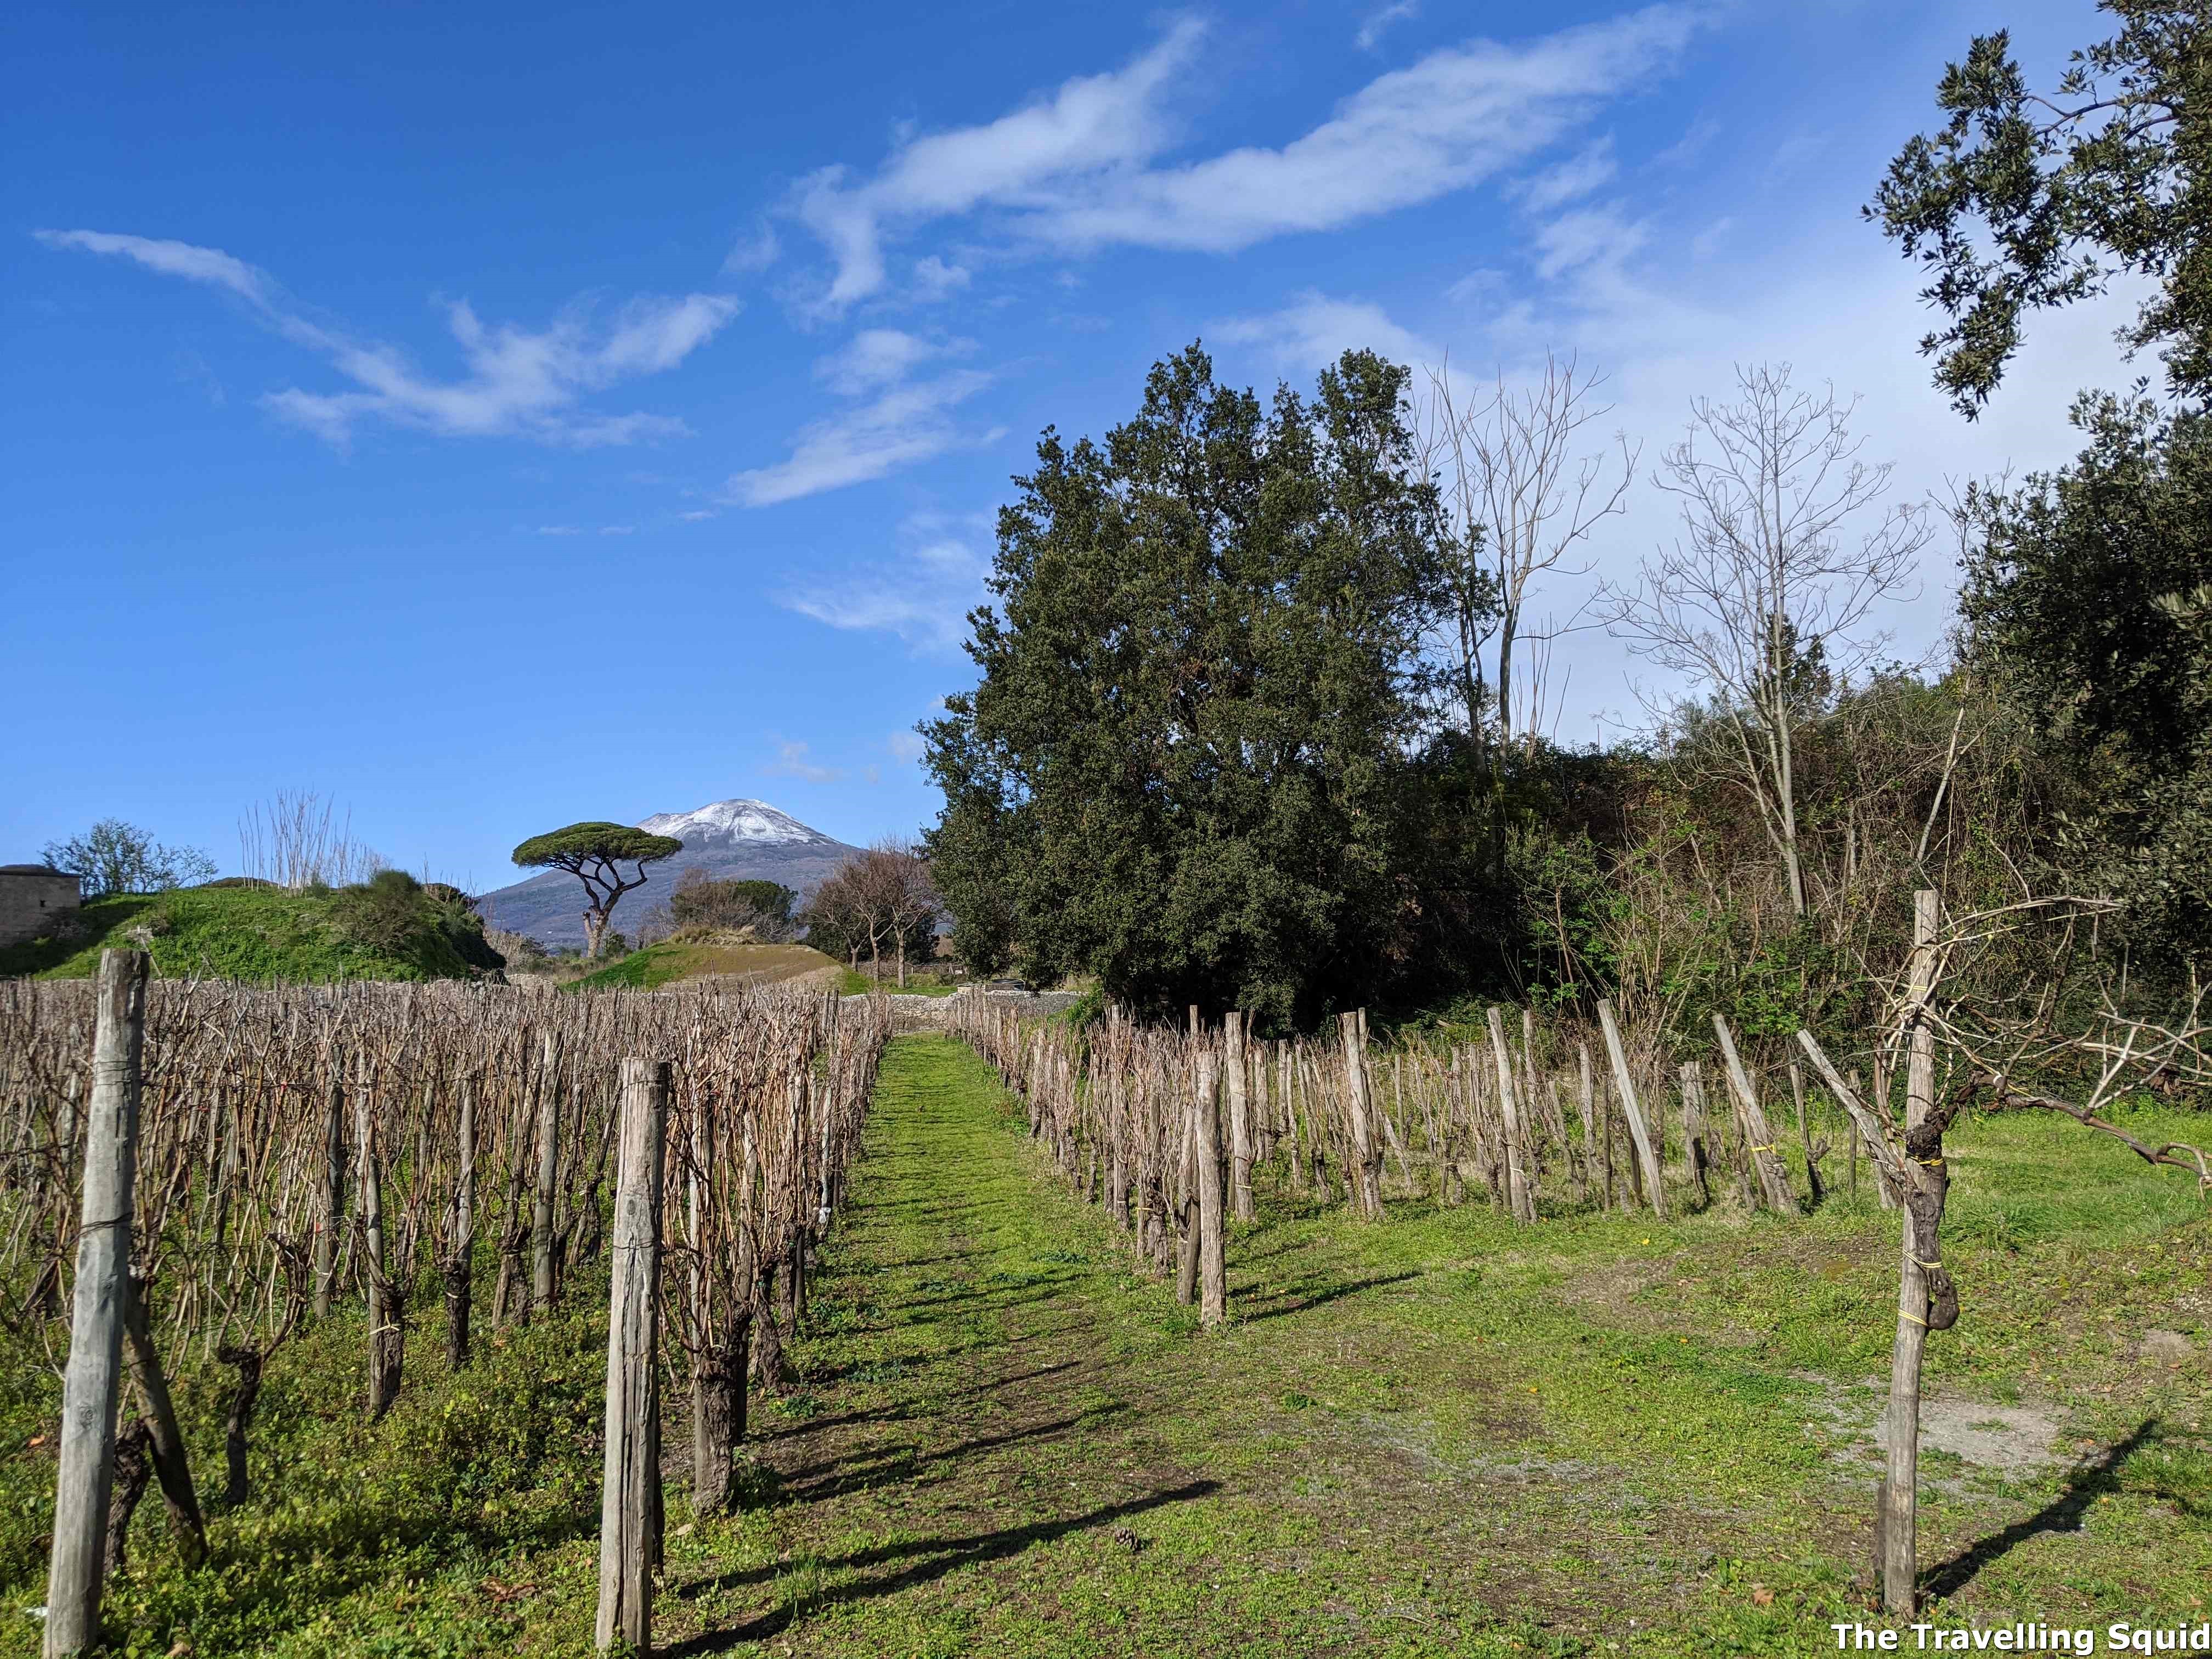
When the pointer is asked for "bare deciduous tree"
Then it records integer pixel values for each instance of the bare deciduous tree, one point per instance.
(1521, 499)
(1763, 587)
(296, 839)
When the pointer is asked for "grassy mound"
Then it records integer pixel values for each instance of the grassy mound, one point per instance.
(370, 931)
(675, 960)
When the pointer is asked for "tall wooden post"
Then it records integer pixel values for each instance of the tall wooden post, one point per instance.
(1647, 1156)
(333, 1192)
(1213, 1248)
(1765, 1153)
(1234, 1065)
(548, 1169)
(1925, 1186)
(1694, 1152)
(1517, 1196)
(460, 1255)
(84, 1484)
(1920, 1048)
(386, 1339)
(1367, 1178)
(630, 1496)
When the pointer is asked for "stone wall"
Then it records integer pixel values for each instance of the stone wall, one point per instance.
(32, 900)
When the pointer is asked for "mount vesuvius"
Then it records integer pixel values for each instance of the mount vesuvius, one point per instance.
(729, 839)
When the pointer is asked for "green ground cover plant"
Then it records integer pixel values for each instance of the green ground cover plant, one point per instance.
(252, 931)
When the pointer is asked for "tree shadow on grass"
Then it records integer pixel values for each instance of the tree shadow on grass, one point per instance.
(2089, 1480)
(839, 1475)
(1298, 1299)
(928, 1558)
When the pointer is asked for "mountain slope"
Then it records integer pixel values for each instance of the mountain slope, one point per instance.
(729, 839)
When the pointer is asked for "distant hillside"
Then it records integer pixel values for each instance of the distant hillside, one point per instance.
(729, 839)
(253, 933)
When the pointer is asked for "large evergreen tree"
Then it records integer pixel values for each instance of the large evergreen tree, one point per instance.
(2089, 599)
(1198, 704)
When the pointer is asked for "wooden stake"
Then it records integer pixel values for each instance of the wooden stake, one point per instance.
(460, 1255)
(1647, 1157)
(386, 1339)
(1366, 1153)
(548, 1167)
(333, 1192)
(84, 1483)
(1518, 1196)
(1234, 1062)
(1213, 1248)
(1694, 1131)
(1766, 1155)
(629, 1495)
(1815, 1187)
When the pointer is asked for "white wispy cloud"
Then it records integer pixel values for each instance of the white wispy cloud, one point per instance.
(757, 251)
(900, 423)
(1555, 186)
(1372, 26)
(934, 278)
(520, 382)
(1092, 124)
(197, 265)
(922, 595)
(1313, 331)
(878, 357)
(791, 762)
(1079, 170)
(904, 745)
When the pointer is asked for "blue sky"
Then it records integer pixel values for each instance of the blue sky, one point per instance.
(492, 417)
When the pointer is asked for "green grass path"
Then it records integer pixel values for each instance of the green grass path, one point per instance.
(1435, 1436)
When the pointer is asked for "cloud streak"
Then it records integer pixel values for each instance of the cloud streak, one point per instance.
(1081, 170)
(791, 762)
(519, 383)
(901, 422)
(923, 596)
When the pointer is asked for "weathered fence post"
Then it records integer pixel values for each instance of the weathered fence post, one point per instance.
(630, 1504)
(84, 1484)
(1647, 1157)
(1694, 1150)
(1212, 1249)
(333, 1193)
(460, 1254)
(1927, 1299)
(387, 1340)
(1921, 1279)
(548, 1169)
(1522, 1204)
(1765, 1154)
(1816, 1189)
(1234, 1062)
(1367, 1178)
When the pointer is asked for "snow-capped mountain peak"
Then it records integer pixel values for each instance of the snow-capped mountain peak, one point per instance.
(741, 823)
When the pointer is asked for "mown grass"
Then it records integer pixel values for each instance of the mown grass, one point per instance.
(673, 961)
(1439, 1435)
(853, 984)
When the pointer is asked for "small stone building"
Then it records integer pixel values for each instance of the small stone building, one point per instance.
(34, 898)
